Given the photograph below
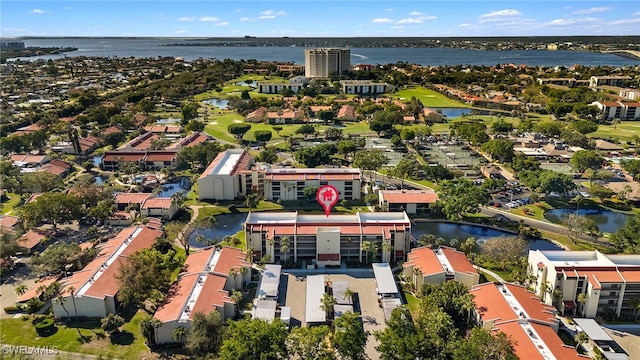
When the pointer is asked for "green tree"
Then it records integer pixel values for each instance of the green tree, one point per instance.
(501, 150)
(277, 129)
(194, 125)
(400, 339)
(179, 334)
(584, 126)
(332, 133)
(586, 159)
(549, 128)
(369, 248)
(407, 134)
(255, 339)
(56, 257)
(505, 250)
(581, 338)
(40, 181)
(306, 130)
(238, 130)
(145, 275)
(501, 127)
(460, 196)
(268, 155)
(601, 192)
(311, 343)
(111, 323)
(206, 335)
(370, 160)
(327, 303)
(148, 326)
(262, 136)
(310, 192)
(627, 239)
(349, 338)
(189, 111)
(406, 168)
(481, 344)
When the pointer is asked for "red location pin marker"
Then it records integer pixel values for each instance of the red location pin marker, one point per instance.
(327, 196)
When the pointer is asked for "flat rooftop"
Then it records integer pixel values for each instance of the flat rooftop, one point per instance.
(269, 281)
(315, 291)
(384, 278)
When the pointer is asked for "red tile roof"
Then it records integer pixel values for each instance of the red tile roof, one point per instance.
(409, 196)
(157, 203)
(31, 239)
(132, 198)
(458, 260)
(425, 260)
(230, 258)
(212, 295)
(491, 304)
(526, 349)
(33, 291)
(8, 221)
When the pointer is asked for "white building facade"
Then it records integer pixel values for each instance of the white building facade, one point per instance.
(289, 184)
(321, 63)
(227, 177)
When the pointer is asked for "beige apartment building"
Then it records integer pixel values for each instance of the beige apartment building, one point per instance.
(321, 63)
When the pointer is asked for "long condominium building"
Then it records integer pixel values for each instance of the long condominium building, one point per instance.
(321, 63)
(328, 240)
(289, 184)
(607, 282)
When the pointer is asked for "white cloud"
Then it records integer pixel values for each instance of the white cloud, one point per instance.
(415, 13)
(181, 32)
(222, 24)
(15, 30)
(560, 22)
(37, 11)
(208, 18)
(266, 17)
(381, 21)
(636, 13)
(246, 19)
(274, 13)
(499, 15)
(464, 25)
(593, 10)
(388, 9)
(410, 21)
(626, 21)
(187, 18)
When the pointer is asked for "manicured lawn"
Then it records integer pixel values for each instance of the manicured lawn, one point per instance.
(623, 133)
(82, 337)
(10, 203)
(428, 97)
(413, 304)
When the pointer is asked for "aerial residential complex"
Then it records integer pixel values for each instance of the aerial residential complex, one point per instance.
(519, 313)
(327, 240)
(95, 287)
(233, 174)
(608, 282)
(204, 287)
(437, 265)
(321, 63)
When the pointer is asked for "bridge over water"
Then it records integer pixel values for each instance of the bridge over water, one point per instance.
(631, 54)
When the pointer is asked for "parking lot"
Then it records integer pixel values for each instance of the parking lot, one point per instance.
(362, 283)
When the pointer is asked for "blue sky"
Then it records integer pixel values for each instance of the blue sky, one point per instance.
(318, 18)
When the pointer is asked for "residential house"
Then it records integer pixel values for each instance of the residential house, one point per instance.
(10, 224)
(124, 200)
(165, 207)
(323, 240)
(426, 265)
(346, 113)
(517, 312)
(57, 167)
(432, 116)
(31, 240)
(203, 286)
(286, 116)
(411, 201)
(228, 177)
(95, 286)
(588, 283)
(256, 116)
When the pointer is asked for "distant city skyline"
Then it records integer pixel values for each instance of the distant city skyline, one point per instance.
(307, 18)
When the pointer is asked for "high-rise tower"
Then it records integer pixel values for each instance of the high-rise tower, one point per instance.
(321, 63)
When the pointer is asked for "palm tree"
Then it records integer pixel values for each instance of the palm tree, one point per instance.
(327, 303)
(179, 334)
(426, 239)
(61, 300)
(634, 304)
(237, 296)
(369, 247)
(243, 270)
(615, 122)
(557, 295)
(284, 247)
(72, 291)
(349, 294)
(544, 289)
(387, 248)
(582, 299)
(21, 289)
(581, 337)
(349, 241)
(440, 241)
(233, 273)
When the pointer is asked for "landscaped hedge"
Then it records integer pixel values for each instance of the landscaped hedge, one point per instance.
(11, 309)
(44, 325)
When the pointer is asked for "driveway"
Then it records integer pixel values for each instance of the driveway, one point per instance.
(364, 285)
(10, 281)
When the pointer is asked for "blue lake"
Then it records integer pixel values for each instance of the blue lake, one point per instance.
(461, 232)
(226, 225)
(97, 160)
(607, 221)
(170, 188)
(219, 103)
(168, 121)
(452, 113)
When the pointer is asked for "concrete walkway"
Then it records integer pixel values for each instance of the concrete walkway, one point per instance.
(491, 273)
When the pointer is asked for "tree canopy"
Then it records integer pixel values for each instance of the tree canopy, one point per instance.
(460, 196)
(255, 339)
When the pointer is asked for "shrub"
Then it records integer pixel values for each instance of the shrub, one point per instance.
(232, 207)
(44, 325)
(11, 309)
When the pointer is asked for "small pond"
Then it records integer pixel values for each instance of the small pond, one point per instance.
(450, 231)
(179, 184)
(452, 113)
(100, 179)
(219, 103)
(97, 160)
(168, 121)
(226, 224)
(253, 84)
(607, 221)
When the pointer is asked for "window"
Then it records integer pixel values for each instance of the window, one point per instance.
(612, 293)
(611, 302)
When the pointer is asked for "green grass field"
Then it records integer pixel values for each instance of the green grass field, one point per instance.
(85, 337)
(10, 203)
(429, 98)
(624, 132)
